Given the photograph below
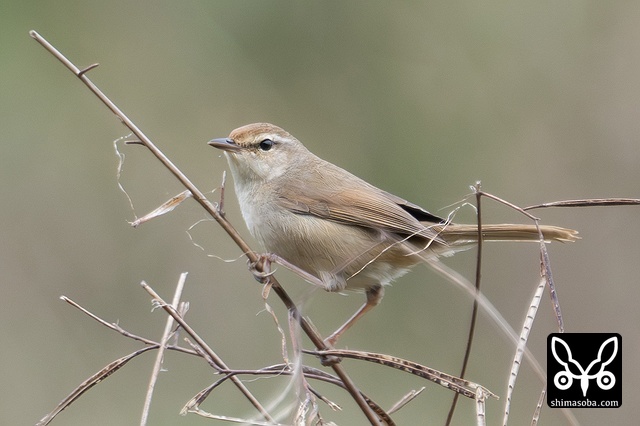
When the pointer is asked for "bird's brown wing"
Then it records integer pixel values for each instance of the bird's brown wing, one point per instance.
(360, 205)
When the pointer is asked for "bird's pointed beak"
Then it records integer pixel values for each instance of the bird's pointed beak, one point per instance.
(225, 144)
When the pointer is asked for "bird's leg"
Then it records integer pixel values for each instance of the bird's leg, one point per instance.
(262, 271)
(374, 296)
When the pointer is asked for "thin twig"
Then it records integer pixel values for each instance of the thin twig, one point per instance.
(588, 202)
(315, 338)
(507, 203)
(160, 355)
(116, 327)
(474, 310)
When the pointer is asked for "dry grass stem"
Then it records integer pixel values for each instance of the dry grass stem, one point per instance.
(405, 400)
(522, 343)
(588, 202)
(166, 335)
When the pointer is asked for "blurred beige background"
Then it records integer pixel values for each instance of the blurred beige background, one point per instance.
(540, 101)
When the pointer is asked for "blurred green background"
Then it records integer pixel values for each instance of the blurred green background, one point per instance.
(538, 100)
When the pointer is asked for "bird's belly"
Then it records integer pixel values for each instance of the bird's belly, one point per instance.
(341, 256)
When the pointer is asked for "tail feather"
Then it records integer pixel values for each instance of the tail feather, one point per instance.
(455, 234)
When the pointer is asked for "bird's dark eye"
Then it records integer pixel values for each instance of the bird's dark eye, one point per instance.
(266, 145)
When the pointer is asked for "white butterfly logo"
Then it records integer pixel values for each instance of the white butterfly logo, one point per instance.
(564, 379)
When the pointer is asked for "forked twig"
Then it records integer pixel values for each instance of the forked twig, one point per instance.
(544, 256)
(218, 361)
(125, 333)
(112, 367)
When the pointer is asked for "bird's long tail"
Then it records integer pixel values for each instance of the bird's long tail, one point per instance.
(455, 234)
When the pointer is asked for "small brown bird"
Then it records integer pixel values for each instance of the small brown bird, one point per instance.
(335, 226)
